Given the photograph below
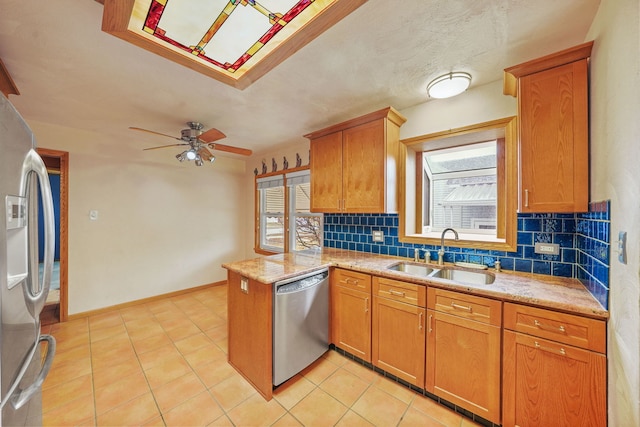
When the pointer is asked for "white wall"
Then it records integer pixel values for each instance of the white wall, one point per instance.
(615, 150)
(477, 105)
(163, 226)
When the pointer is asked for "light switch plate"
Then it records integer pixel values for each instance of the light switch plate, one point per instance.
(378, 236)
(547, 248)
(622, 247)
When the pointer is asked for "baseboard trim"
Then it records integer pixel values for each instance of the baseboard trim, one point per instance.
(103, 310)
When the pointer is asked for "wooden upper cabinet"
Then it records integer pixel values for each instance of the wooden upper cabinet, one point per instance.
(326, 177)
(553, 113)
(354, 164)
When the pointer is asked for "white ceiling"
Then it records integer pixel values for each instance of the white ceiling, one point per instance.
(72, 74)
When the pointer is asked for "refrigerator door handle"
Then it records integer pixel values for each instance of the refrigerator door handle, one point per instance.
(35, 292)
(23, 396)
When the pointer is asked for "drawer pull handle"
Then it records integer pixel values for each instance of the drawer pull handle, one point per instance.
(420, 321)
(460, 307)
(549, 328)
(351, 282)
(396, 293)
(366, 305)
(552, 350)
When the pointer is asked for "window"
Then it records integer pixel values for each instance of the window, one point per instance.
(465, 179)
(460, 188)
(284, 222)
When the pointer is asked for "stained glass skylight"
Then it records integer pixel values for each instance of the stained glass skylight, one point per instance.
(234, 41)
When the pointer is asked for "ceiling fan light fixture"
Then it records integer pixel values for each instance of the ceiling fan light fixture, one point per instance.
(448, 85)
(191, 154)
(181, 156)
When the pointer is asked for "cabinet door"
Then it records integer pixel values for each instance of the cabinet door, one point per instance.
(398, 339)
(351, 321)
(463, 363)
(552, 384)
(363, 179)
(326, 173)
(554, 147)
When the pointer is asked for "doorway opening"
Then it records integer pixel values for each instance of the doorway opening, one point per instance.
(56, 307)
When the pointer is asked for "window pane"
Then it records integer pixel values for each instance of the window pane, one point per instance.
(463, 187)
(274, 199)
(308, 232)
(273, 235)
(303, 197)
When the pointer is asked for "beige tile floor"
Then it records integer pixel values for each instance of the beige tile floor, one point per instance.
(165, 364)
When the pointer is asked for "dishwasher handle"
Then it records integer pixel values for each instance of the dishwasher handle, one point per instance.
(302, 284)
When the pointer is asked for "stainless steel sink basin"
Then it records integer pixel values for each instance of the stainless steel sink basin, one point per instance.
(415, 269)
(464, 276)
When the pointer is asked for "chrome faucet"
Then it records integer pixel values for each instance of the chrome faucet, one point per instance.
(441, 250)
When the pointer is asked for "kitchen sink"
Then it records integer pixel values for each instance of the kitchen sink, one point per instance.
(415, 269)
(453, 274)
(464, 276)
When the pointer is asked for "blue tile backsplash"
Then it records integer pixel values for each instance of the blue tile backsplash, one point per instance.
(584, 241)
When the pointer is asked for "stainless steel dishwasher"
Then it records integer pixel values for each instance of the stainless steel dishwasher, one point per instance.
(300, 323)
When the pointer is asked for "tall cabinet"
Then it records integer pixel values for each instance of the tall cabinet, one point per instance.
(553, 119)
(353, 164)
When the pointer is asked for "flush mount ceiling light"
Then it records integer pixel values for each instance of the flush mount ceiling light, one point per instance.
(448, 85)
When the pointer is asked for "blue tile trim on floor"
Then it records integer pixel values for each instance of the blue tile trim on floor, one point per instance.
(584, 241)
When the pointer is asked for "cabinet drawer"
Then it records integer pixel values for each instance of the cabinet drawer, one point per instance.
(480, 309)
(562, 327)
(409, 293)
(352, 279)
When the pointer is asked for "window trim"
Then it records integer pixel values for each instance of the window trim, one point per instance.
(287, 209)
(410, 183)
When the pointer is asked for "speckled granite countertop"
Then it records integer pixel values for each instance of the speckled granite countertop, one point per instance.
(559, 293)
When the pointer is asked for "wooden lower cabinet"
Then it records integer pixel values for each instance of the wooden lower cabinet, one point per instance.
(351, 312)
(547, 379)
(250, 323)
(463, 351)
(398, 343)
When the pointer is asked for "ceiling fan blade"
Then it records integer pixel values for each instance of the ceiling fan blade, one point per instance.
(163, 146)
(211, 135)
(230, 149)
(206, 154)
(155, 133)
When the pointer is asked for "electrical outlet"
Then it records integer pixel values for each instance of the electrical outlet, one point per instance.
(378, 236)
(547, 248)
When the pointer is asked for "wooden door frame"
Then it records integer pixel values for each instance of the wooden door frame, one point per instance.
(63, 157)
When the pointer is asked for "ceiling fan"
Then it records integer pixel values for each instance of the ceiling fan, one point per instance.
(199, 143)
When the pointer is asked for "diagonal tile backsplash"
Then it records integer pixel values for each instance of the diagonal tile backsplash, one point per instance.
(584, 241)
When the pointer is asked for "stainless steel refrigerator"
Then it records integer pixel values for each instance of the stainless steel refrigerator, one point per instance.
(23, 293)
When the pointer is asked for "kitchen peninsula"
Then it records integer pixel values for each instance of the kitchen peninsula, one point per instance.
(527, 313)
